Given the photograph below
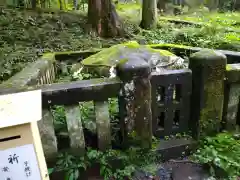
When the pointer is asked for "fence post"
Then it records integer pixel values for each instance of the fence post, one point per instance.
(138, 71)
(232, 97)
(208, 73)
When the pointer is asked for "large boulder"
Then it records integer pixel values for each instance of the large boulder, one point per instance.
(106, 60)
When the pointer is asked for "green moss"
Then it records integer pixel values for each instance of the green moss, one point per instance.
(78, 52)
(101, 58)
(101, 62)
(128, 6)
(210, 116)
(231, 67)
(48, 57)
(168, 45)
(110, 57)
(211, 113)
(104, 80)
(228, 67)
(122, 61)
(223, 19)
(134, 44)
(131, 44)
(162, 52)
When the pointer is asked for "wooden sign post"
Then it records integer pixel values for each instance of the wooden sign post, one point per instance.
(21, 153)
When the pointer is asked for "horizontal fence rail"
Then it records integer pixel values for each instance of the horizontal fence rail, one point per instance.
(70, 95)
(85, 90)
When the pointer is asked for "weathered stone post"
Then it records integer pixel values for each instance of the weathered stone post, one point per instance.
(138, 71)
(232, 97)
(208, 73)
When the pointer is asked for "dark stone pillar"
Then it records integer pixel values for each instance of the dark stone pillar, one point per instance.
(138, 70)
(208, 73)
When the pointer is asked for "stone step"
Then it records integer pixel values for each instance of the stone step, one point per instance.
(176, 148)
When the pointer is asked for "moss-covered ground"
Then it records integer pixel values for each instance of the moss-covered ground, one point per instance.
(25, 35)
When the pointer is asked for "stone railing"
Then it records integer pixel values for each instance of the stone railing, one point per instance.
(198, 99)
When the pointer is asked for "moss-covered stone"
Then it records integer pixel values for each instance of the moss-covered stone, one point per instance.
(34, 72)
(208, 71)
(115, 54)
(233, 73)
(232, 93)
(101, 62)
(232, 106)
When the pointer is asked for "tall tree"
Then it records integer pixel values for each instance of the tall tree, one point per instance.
(161, 5)
(34, 4)
(103, 18)
(236, 5)
(149, 14)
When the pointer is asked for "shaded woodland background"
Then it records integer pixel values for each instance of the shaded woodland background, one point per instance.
(30, 28)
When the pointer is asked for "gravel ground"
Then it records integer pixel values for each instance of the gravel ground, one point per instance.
(176, 170)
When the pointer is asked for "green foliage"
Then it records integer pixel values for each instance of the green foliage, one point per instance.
(113, 163)
(219, 31)
(86, 108)
(59, 119)
(71, 165)
(130, 10)
(227, 5)
(221, 152)
(87, 117)
(207, 36)
(46, 4)
(25, 35)
(225, 21)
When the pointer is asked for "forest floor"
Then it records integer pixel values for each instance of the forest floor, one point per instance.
(171, 170)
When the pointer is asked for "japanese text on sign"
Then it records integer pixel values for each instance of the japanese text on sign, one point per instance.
(19, 163)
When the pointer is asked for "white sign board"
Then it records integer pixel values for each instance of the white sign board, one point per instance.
(20, 108)
(19, 163)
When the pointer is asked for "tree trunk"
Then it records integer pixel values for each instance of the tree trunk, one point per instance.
(161, 5)
(236, 5)
(60, 4)
(20, 3)
(149, 14)
(34, 4)
(212, 4)
(103, 18)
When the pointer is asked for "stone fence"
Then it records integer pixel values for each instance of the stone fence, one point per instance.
(202, 100)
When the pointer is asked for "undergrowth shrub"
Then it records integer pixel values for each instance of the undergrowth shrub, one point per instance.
(113, 163)
(222, 154)
(26, 35)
